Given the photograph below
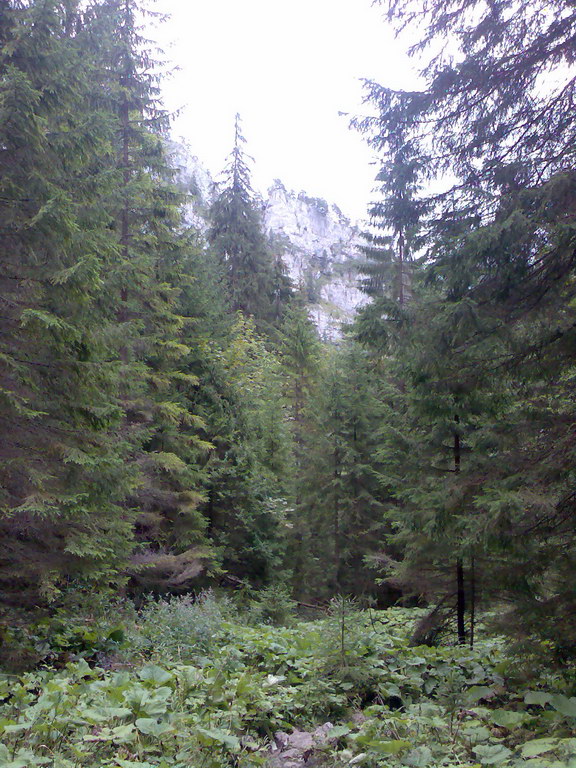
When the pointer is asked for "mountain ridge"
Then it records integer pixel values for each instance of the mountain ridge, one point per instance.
(319, 245)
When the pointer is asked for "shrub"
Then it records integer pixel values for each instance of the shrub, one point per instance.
(179, 627)
(273, 605)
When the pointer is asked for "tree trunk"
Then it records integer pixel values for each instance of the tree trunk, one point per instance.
(461, 601)
(472, 600)
(401, 269)
(461, 595)
(336, 522)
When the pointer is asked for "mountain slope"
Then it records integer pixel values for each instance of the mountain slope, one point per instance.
(319, 245)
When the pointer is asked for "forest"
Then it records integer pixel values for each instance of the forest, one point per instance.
(226, 542)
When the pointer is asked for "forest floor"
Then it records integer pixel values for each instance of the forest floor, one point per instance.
(190, 685)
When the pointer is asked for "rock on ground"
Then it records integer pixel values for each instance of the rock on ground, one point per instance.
(300, 748)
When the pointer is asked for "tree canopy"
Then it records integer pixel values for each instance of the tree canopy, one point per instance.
(171, 420)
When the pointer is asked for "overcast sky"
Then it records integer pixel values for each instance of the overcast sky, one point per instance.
(288, 67)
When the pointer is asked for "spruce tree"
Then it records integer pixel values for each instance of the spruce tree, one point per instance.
(64, 472)
(490, 346)
(392, 239)
(300, 351)
(241, 402)
(343, 496)
(153, 265)
(257, 283)
(101, 440)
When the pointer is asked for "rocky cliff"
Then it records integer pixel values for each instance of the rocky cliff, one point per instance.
(195, 181)
(320, 247)
(318, 244)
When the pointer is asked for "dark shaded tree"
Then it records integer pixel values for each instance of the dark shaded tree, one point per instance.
(64, 473)
(257, 283)
(493, 334)
(342, 493)
(154, 264)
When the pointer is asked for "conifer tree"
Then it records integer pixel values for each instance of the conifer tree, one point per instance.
(342, 493)
(152, 267)
(393, 237)
(394, 219)
(257, 283)
(300, 350)
(64, 473)
(493, 336)
(240, 399)
(94, 368)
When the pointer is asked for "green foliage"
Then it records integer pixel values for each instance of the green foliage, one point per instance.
(257, 284)
(476, 449)
(392, 238)
(55, 641)
(104, 447)
(178, 627)
(273, 605)
(242, 403)
(416, 707)
(300, 351)
(341, 490)
(65, 463)
(169, 416)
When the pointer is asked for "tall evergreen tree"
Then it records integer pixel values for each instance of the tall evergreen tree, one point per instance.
(63, 473)
(301, 351)
(394, 219)
(393, 236)
(100, 434)
(257, 283)
(152, 267)
(501, 262)
(342, 492)
(241, 401)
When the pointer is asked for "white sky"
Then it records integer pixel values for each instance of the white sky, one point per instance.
(288, 67)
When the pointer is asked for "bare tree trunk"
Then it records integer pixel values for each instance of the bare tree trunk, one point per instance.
(336, 522)
(461, 601)
(461, 594)
(472, 600)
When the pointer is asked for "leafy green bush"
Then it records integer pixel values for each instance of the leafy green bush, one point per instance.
(54, 641)
(178, 627)
(441, 707)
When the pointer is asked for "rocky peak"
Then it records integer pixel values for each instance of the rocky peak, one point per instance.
(321, 249)
(195, 181)
(319, 245)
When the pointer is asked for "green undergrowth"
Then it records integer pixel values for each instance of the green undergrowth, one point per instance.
(192, 684)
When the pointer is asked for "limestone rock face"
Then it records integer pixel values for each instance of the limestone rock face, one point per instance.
(195, 180)
(320, 247)
(318, 244)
